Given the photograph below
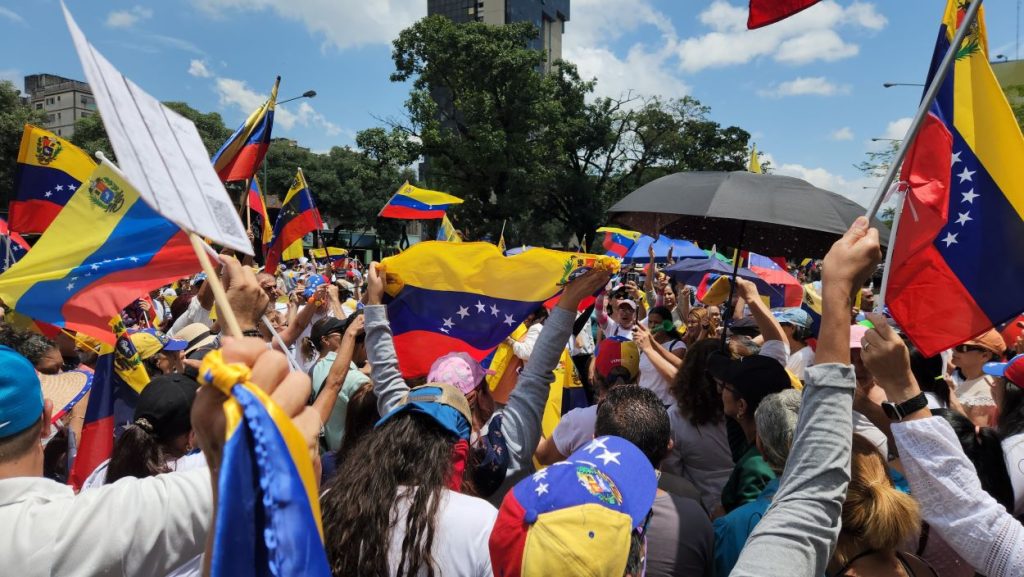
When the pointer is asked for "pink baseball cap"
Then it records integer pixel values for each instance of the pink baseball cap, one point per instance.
(857, 333)
(459, 370)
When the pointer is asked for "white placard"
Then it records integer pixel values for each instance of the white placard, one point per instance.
(160, 152)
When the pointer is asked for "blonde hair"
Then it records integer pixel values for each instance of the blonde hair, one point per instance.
(876, 515)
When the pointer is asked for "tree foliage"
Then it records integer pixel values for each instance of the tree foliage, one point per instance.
(14, 115)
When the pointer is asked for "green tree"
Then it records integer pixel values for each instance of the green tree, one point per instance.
(14, 115)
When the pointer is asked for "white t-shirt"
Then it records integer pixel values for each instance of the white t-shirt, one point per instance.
(610, 328)
(575, 429)
(651, 379)
(799, 361)
(460, 539)
(778, 350)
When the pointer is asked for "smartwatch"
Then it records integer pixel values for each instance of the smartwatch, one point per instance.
(899, 411)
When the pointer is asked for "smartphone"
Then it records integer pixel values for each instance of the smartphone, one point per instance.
(633, 276)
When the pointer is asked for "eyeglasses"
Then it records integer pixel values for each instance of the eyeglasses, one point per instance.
(969, 348)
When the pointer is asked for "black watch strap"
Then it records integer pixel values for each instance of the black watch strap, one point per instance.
(899, 411)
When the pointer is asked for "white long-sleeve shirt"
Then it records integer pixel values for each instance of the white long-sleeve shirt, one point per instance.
(945, 483)
(132, 527)
(524, 348)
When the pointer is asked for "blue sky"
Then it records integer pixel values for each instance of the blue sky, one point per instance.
(809, 89)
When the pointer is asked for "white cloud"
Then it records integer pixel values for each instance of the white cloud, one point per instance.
(341, 23)
(235, 93)
(898, 128)
(11, 15)
(859, 189)
(198, 69)
(844, 133)
(806, 37)
(128, 18)
(814, 85)
(175, 43)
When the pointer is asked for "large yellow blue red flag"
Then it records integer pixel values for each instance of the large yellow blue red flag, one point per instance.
(298, 217)
(50, 169)
(241, 155)
(468, 297)
(959, 247)
(104, 249)
(268, 513)
(618, 241)
(414, 203)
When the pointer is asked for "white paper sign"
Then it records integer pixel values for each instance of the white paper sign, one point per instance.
(160, 152)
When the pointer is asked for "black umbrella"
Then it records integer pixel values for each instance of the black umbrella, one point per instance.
(769, 214)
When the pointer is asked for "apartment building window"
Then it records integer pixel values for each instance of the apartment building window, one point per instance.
(58, 98)
(39, 105)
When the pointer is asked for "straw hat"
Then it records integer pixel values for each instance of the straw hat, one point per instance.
(65, 390)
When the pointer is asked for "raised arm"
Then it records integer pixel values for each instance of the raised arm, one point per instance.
(327, 397)
(388, 384)
(798, 534)
(770, 328)
(654, 351)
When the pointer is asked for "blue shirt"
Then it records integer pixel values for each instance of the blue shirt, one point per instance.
(335, 425)
(732, 530)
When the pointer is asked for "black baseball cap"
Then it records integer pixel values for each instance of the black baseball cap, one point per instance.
(753, 378)
(324, 327)
(166, 403)
(745, 326)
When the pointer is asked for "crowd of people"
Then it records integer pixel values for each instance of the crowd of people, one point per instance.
(706, 440)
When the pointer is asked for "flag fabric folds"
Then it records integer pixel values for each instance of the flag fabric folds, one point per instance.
(959, 247)
(414, 203)
(258, 204)
(118, 380)
(241, 155)
(765, 12)
(467, 297)
(102, 251)
(754, 165)
(298, 217)
(447, 232)
(618, 241)
(268, 512)
(49, 171)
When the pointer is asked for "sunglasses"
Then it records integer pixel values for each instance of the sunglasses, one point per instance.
(969, 348)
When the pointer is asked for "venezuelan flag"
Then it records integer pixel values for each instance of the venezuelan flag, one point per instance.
(959, 249)
(468, 297)
(102, 251)
(50, 169)
(243, 152)
(14, 246)
(447, 232)
(258, 204)
(331, 253)
(754, 165)
(268, 513)
(413, 203)
(118, 380)
(298, 217)
(618, 241)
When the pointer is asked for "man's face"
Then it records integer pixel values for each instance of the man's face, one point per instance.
(625, 315)
(51, 363)
(169, 362)
(867, 300)
(269, 285)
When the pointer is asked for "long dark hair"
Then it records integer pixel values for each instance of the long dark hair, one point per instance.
(695, 393)
(409, 450)
(1011, 414)
(984, 448)
(360, 415)
(137, 454)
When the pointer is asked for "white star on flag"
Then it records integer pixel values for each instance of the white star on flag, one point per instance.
(494, 310)
(95, 267)
(59, 187)
(71, 286)
(463, 312)
(444, 330)
(542, 474)
(48, 194)
(509, 320)
(133, 259)
(966, 175)
(609, 457)
(595, 445)
(448, 323)
(541, 489)
(964, 217)
(956, 157)
(480, 307)
(969, 196)
(950, 239)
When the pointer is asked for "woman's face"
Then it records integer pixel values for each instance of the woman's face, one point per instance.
(670, 297)
(692, 323)
(169, 362)
(715, 315)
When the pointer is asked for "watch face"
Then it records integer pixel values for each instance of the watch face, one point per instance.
(891, 411)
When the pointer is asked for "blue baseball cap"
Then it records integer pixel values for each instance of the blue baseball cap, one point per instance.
(21, 395)
(442, 402)
(311, 284)
(795, 316)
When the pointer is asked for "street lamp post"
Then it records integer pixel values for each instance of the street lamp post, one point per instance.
(891, 84)
(888, 139)
(306, 94)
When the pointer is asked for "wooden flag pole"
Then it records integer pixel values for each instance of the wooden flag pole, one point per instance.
(248, 208)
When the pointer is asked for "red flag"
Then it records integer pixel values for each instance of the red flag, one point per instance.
(765, 12)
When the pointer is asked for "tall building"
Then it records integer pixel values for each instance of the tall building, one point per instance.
(549, 16)
(64, 100)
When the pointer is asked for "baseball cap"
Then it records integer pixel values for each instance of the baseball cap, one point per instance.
(459, 370)
(795, 316)
(149, 342)
(628, 302)
(166, 403)
(311, 283)
(440, 401)
(754, 377)
(1012, 370)
(576, 517)
(746, 327)
(990, 340)
(617, 352)
(21, 396)
(324, 327)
